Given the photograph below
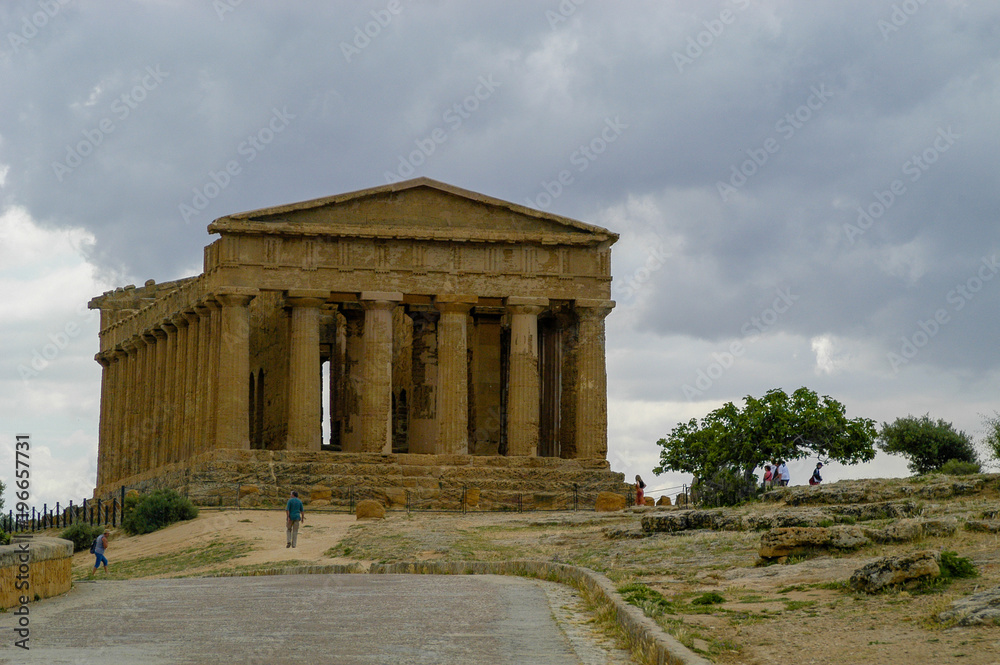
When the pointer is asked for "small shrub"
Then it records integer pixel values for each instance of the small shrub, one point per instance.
(710, 598)
(954, 467)
(957, 567)
(82, 535)
(156, 510)
(4, 538)
(651, 602)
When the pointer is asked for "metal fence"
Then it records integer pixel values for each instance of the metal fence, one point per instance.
(89, 511)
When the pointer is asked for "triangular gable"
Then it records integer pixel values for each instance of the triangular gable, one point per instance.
(418, 208)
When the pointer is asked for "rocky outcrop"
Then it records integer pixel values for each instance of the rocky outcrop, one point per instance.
(986, 526)
(905, 531)
(778, 543)
(873, 491)
(893, 571)
(369, 509)
(609, 502)
(981, 608)
(663, 501)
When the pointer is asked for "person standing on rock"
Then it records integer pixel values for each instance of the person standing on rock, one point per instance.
(816, 479)
(783, 475)
(295, 514)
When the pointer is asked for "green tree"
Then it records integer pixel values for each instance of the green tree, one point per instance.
(991, 440)
(928, 444)
(776, 426)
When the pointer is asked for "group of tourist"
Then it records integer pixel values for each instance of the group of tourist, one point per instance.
(778, 476)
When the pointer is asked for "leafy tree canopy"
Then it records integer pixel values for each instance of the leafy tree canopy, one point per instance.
(776, 426)
(926, 443)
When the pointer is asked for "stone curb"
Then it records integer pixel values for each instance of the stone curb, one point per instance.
(645, 638)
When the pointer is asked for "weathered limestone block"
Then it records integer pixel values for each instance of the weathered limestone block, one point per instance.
(909, 530)
(609, 502)
(472, 497)
(246, 490)
(49, 565)
(395, 496)
(895, 570)
(320, 493)
(986, 526)
(782, 542)
(369, 509)
(979, 609)
(318, 503)
(663, 501)
(648, 501)
(681, 500)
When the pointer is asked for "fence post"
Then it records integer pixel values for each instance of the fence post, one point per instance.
(123, 500)
(463, 499)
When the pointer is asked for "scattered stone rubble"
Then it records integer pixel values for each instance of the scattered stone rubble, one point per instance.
(981, 608)
(895, 571)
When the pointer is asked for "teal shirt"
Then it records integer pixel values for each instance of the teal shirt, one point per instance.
(294, 508)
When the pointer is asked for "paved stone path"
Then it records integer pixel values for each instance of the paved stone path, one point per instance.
(343, 619)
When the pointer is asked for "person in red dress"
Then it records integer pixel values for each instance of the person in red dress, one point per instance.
(640, 498)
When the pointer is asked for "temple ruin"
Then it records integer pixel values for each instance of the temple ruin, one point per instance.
(410, 338)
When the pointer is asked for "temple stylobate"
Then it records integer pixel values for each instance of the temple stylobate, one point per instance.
(410, 319)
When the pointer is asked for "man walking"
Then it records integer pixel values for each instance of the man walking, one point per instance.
(295, 513)
(783, 475)
(100, 545)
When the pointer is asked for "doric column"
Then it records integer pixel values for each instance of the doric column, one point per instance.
(591, 380)
(232, 424)
(376, 386)
(305, 412)
(129, 446)
(168, 394)
(144, 393)
(159, 412)
(180, 379)
(119, 406)
(102, 428)
(423, 425)
(349, 392)
(523, 381)
(206, 378)
(149, 399)
(192, 396)
(453, 374)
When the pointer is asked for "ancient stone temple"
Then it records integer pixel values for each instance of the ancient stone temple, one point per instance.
(412, 337)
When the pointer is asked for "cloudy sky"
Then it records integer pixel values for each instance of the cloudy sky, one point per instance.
(807, 193)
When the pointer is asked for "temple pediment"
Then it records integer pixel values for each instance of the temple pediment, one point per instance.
(419, 208)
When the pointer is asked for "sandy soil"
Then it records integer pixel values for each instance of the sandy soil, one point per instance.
(264, 528)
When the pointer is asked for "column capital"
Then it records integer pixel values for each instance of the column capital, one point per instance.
(129, 345)
(455, 303)
(234, 299)
(593, 307)
(179, 320)
(380, 300)
(158, 333)
(305, 298)
(191, 315)
(119, 352)
(522, 301)
(167, 326)
(206, 306)
(103, 359)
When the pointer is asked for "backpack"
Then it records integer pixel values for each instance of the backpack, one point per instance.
(93, 545)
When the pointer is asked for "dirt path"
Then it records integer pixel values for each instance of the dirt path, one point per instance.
(265, 529)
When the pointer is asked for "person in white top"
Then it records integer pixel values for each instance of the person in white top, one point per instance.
(783, 475)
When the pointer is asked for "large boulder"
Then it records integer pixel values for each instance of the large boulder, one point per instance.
(609, 502)
(981, 608)
(369, 509)
(782, 542)
(663, 501)
(895, 570)
(648, 501)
